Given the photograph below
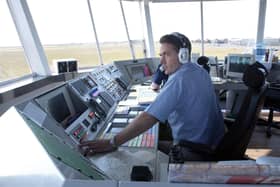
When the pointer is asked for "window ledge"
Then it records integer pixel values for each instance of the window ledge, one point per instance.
(18, 82)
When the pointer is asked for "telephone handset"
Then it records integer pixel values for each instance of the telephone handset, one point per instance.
(98, 108)
(161, 68)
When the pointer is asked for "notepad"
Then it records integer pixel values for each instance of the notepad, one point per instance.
(145, 95)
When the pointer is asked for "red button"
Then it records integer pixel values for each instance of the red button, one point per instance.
(91, 115)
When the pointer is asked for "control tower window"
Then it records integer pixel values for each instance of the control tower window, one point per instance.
(12, 60)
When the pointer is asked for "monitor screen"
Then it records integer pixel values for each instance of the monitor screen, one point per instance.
(58, 108)
(237, 63)
(138, 70)
(59, 104)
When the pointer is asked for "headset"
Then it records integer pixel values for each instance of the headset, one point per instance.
(254, 75)
(183, 54)
(203, 61)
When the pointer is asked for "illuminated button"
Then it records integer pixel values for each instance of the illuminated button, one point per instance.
(82, 132)
(119, 120)
(91, 115)
(133, 113)
(75, 133)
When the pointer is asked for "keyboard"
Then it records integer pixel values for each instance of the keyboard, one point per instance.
(122, 117)
(147, 139)
(216, 79)
(274, 85)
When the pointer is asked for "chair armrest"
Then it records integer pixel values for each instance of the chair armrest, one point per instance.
(229, 122)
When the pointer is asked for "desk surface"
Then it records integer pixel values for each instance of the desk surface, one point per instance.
(118, 164)
(225, 84)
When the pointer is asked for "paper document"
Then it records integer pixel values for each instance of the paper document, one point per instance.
(231, 173)
(145, 95)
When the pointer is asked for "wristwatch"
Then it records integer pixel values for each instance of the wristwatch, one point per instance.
(113, 142)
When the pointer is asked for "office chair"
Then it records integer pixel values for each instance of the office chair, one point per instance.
(272, 100)
(235, 141)
(272, 103)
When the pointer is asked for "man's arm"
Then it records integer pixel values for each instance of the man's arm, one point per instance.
(139, 125)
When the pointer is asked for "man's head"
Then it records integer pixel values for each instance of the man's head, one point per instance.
(169, 50)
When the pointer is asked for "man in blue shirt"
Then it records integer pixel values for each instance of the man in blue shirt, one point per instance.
(187, 101)
(160, 78)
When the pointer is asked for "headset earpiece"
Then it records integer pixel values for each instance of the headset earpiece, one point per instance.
(254, 75)
(183, 54)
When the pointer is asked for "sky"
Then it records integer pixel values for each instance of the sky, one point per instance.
(68, 21)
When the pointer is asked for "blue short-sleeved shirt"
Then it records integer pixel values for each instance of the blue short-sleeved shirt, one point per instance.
(188, 101)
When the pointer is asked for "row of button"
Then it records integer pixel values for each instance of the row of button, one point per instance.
(146, 139)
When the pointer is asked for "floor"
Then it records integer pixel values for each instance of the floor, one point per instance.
(260, 144)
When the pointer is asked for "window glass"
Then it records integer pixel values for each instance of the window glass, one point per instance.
(135, 28)
(65, 30)
(110, 30)
(230, 27)
(272, 29)
(177, 17)
(12, 59)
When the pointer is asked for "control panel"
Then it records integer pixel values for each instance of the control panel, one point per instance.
(84, 87)
(121, 118)
(74, 116)
(87, 107)
(109, 80)
(87, 124)
(92, 95)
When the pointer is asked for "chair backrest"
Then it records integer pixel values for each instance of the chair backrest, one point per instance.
(203, 61)
(235, 141)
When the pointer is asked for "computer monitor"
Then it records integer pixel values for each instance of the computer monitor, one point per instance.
(237, 63)
(138, 70)
(59, 108)
(59, 105)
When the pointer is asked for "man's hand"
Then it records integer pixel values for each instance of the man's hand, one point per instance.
(155, 86)
(139, 125)
(90, 148)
